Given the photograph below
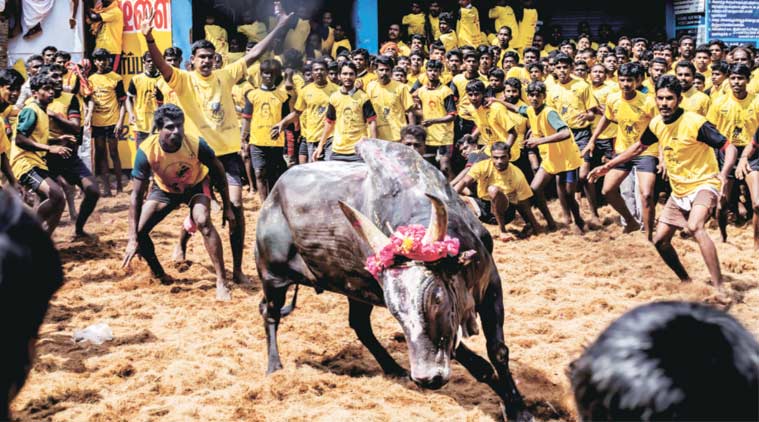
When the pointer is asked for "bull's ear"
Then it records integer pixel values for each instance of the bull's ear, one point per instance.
(438, 226)
(364, 227)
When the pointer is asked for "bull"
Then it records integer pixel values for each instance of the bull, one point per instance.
(303, 237)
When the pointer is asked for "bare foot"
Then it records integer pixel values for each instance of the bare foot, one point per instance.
(240, 278)
(222, 291)
(505, 237)
(631, 228)
(594, 223)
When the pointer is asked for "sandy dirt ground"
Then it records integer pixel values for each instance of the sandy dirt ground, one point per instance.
(178, 355)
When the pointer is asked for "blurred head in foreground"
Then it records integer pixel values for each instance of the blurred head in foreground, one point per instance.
(30, 272)
(669, 361)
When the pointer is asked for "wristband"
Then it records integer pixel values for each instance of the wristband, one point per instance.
(150, 41)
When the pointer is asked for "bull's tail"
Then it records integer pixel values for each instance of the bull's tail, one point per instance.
(288, 309)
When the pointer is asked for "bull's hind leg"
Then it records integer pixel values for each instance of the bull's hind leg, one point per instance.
(271, 311)
(491, 315)
(360, 320)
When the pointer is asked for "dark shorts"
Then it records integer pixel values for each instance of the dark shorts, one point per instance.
(174, 200)
(72, 169)
(311, 147)
(267, 158)
(753, 162)
(140, 136)
(644, 163)
(582, 137)
(475, 157)
(486, 212)
(33, 178)
(303, 147)
(103, 132)
(570, 176)
(604, 149)
(350, 158)
(233, 168)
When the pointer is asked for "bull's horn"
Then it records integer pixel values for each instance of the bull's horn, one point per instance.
(438, 221)
(364, 227)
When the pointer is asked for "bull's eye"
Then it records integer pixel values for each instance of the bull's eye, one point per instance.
(438, 296)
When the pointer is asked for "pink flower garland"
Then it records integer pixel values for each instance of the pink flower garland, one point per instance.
(407, 241)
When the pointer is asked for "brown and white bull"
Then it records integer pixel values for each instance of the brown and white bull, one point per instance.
(304, 237)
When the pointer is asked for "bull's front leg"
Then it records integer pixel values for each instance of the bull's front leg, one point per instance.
(491, 316)
(361, 322)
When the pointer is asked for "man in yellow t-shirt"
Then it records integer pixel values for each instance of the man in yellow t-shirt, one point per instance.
(350, 116)
(143, 99)
(391, 101)
(415, 20)
(264, 108)
(10, 86)
(693, 99)
(501, 190)
(434, 18)
(438, 106)
(736, 116)
(298, 34)
(688, 141)
(110, 34)
(182, 167)
(105, 115)
(31, 145)
(468, 25)
(631, 110)
(205, 97)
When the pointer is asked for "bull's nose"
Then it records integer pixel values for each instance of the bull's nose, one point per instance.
(431, 383)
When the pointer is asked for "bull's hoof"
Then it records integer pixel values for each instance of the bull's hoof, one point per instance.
(273, 367)
(223, 294)
(396, 371)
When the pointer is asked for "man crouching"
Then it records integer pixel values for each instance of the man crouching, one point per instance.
(180, 165)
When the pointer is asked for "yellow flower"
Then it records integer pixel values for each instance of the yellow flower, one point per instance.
(407, 245)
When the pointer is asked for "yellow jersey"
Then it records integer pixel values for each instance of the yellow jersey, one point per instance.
(511, 181)
(147, 97)
(737, 120)
(689, 159)
(209, 107)
(255, 31)
(67, 105)
(436, 103)
(435, 24)
(265, 109)
(111, 32)
(390, 102)
(345, 43)
(351, 114)
(527, 27)
(695, 101)
(571, 100)
(504, 16)
(108, 92)
(218, 37)
(520, 126)
(449, 40)
(632, 118)
(33, 122)
(296, 37)
(312, 104)
(468, 27)
(493, 123)
(559, 156)
(602, 94)
(415, 23)
(173, 172)
(458, 84)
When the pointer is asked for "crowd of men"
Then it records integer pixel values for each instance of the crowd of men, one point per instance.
(511, 118)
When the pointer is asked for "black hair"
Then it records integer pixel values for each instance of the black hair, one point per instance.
(621, 51)
(416, 131)
(30, 273)
(34, 58)
(531, 50)
(740, 69)
(686, 37)
(484, 50)
(319, 62)
(360, 52)
(418, 53)
(534, 65)
(40, 81)
(499, 146)
(720, 66)
(669, 82)
(332, 66)
(471, 53)
(475, 85)
(512, 54)
(435, 64)
(536, 87)
(274, 67)
(201, 45)
(172, 52)
(453, 52)
(385, 60)
(497, 73)
(50, 48)
(292, 59)
(686, 63)
(703, 48)
(418, 37)
(437, 45)
(63, 54)
(145, 55)
(504, 26)
(349, 64)
(167, 111)
(101, 54)
(699, 76)
(658, 60)
(446, 17)
(563, 58)
(11, 77)
(628, 70)
(514, 83)
(720, 43)
(669, 361)
(399, 69)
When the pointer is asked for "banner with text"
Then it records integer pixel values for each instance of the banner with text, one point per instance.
(734, 21)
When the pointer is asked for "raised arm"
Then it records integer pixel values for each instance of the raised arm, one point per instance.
(146, 27)
(260, 48)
